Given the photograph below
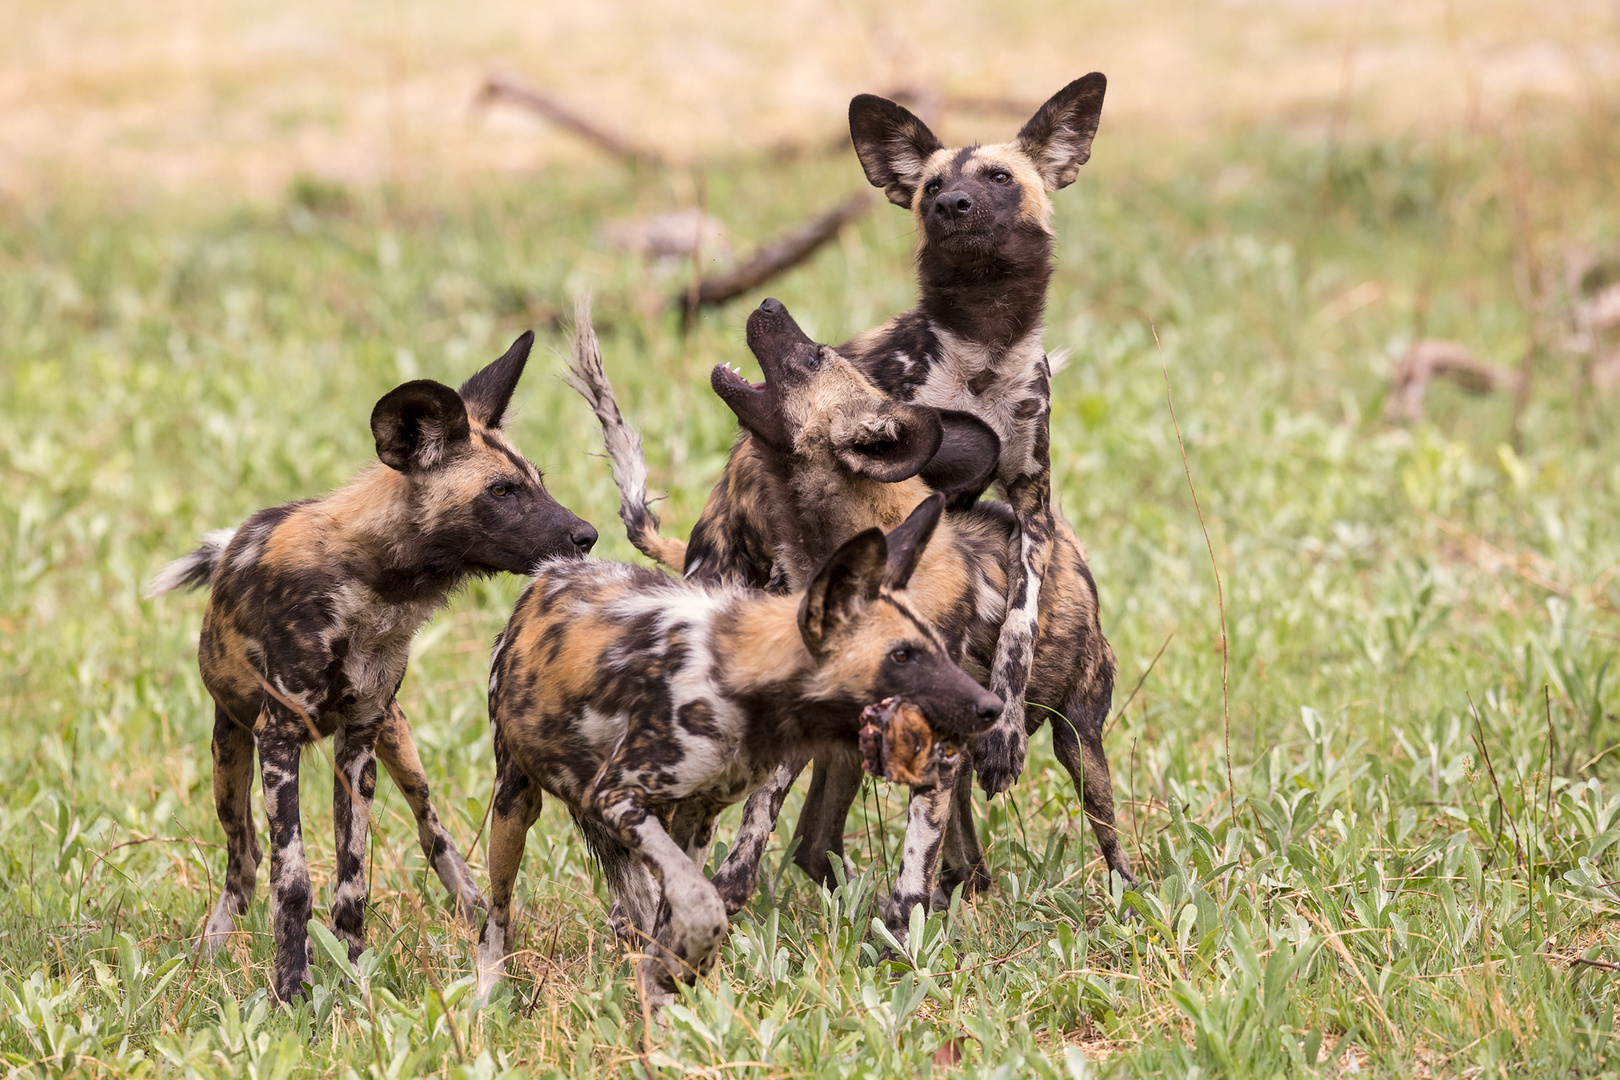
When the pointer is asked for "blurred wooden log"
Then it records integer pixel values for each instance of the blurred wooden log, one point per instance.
(1427, 360)
(772, 258)
(504, 88)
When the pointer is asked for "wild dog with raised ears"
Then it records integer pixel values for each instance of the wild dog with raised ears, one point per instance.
(833, 455)
(308, 631)
(973, 344)
(648, 705)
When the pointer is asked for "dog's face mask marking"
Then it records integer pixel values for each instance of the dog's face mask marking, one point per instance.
(476, 497)
(978, 202)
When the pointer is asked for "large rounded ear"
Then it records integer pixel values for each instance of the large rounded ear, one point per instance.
(908, 540)
(419, 425)
(841, 589)
(1058, 137)
(755, 407)
(892, 144)
(889, 444)
(487, 393)
(969, 451)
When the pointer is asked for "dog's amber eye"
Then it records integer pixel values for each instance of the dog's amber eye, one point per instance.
(500, 489)
(932, 188)
(1001, 177)
(902, 656)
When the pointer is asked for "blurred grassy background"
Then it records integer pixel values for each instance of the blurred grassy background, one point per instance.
(227, 96)
(225, 230)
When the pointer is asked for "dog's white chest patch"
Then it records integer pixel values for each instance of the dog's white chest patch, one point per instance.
(998, 387)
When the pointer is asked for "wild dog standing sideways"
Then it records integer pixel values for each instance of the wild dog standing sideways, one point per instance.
(648, 705)
(973, 344)
(310, 621)
(833, 455)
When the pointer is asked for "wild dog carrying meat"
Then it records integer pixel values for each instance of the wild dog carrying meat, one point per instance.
(973, 344)
(648, 705)
(308, 631)
(832, 455)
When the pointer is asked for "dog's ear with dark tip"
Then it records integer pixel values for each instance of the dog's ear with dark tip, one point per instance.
(965, 464)
(892, 444)
(488, 393)
(846, 583)
(909, 539)
(893, 145)
(419, 425)
(1058, 137)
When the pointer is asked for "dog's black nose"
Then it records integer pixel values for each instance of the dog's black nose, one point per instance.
(771, 306)
(952, 205)
(990, 711)
(584, 538)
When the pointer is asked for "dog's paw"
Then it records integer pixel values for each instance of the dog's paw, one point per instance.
(735, 890)
(998, 758)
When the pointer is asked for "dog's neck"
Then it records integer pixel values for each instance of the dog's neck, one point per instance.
(372, 525)
(790, 696)
(994, 301)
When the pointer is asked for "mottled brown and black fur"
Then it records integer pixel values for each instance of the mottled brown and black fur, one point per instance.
(973, 344)
(647, 705)
(833, 455)
(312, 609)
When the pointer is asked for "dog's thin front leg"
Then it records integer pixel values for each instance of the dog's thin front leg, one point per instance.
(233, 791)
(738, 876)
(691, 921)
(927, 817)
(515, 806)
(289, 873)
(353, 786)
(1000, 752)
(397, 751)
(962, 860)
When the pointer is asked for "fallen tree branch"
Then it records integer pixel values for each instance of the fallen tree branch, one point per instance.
(1427, 360)
(504, 88)
(772, 258)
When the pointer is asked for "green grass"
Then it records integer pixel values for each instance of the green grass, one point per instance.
(1387, 899)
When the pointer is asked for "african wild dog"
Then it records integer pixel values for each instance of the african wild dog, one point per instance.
(648, 705)
(833, 455)
(984, 257)
(308, 631)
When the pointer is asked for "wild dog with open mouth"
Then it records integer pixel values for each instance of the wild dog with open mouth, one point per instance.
(833, 455)
(648, 705)
(309, 626)
(984, 257)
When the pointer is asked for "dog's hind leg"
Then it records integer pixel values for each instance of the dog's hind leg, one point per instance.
(354, 785)
(1077, 741)
(233, 790)
(514, 808)
(738, 876)
(397, 751)
(835, 783)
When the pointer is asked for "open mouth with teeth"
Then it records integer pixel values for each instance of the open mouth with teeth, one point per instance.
(735, 389)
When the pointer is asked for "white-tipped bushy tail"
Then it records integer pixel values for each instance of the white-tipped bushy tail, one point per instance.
(192, 571)
(629, 464)
(1058, 359)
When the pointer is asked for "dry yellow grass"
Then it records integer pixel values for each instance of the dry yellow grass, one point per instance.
(237, 96)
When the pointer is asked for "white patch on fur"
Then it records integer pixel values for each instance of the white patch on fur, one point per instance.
(959, 362)
(175, 574)
(379, 636)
